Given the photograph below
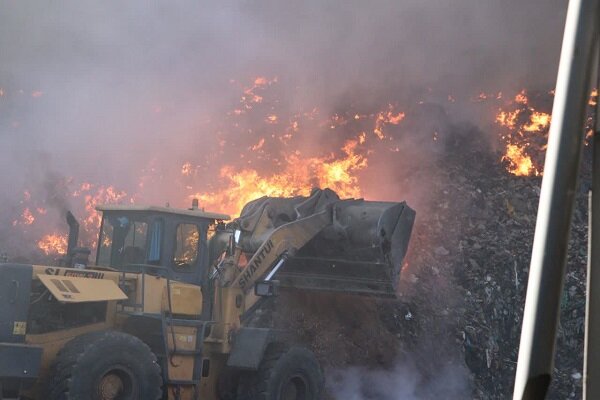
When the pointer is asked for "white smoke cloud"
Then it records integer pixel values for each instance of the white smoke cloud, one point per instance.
(402, 382)
(103, 68)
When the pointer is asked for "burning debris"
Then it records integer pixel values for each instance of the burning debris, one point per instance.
(469, 257)
(53, 244)
(278, 163)
(526, 134)
(525, 131)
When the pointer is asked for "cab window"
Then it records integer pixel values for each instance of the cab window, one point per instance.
(186, 242)
(134, 249)
(106, 243)
(122, 241)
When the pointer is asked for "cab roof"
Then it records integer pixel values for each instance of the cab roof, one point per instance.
(168, 210)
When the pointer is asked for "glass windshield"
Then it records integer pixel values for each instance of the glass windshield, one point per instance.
(186, 251)
(122, 241)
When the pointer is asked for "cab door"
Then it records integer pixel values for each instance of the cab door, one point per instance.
(189, 251)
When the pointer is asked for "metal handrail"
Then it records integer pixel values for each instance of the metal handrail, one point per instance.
(561, 170)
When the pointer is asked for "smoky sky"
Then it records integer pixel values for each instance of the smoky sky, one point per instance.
(100, 89)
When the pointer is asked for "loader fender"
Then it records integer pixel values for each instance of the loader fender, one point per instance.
(249, 347)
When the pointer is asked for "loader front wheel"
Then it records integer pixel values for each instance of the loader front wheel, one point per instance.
(289, 374)
(105, 366)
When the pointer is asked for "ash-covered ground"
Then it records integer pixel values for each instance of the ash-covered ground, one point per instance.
(453, 332)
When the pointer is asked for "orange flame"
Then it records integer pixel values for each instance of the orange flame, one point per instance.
(27, 217)
(525, 136)
(249, 93)
(538, 121)
(507, 118)
(258, 145)
(386, 117)
(53, 244)
(519, 163)
(521, 97)
(298, 177)
(104, 195)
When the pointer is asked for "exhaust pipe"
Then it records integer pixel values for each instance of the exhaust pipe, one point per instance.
(73, 234)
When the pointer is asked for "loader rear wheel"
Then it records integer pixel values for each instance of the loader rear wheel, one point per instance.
(105, 366)
(289, 374)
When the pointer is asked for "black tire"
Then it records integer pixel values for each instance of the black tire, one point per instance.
(105, 365)
(289, 374)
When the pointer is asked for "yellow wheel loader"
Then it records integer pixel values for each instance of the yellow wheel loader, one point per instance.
(161, 314)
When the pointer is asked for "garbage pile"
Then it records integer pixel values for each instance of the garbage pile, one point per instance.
(454, 330)
(490, 269)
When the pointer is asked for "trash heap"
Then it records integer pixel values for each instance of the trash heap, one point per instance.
(487, 248)
(454, 330)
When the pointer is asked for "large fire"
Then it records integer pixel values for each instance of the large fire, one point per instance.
(297, 177)
(282, 151)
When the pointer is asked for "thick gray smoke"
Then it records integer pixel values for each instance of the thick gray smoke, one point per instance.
(109, 92)
(123, 93)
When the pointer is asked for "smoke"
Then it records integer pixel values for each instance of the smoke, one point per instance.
(125, 94)
(402, 382)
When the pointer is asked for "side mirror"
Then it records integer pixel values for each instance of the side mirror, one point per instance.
(266, 288)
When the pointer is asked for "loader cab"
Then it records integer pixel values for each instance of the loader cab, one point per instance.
(156, 240)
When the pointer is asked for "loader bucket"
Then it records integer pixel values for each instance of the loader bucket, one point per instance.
(361, 251)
